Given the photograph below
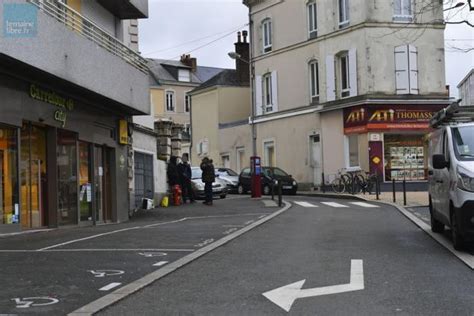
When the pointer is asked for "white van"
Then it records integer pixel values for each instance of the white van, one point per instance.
(451, 173)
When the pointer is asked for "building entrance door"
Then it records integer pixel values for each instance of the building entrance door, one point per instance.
(102, 184)
(67, 178)
(315, 147)
(33, 174)
(143, 177)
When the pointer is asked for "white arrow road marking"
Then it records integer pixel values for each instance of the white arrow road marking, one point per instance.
(286, 295)
(28, 302)
(305, 204)
(152, 254)
(363, 204)
(104, 273)
(334, 204)
(110, 286)
(161, 263)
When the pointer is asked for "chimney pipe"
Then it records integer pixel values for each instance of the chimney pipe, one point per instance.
(239, 39)
(245, 34)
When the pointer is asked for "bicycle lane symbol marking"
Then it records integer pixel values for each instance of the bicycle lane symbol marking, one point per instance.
(28, 302)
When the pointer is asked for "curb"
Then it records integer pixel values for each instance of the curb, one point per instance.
(464, 257)
(131, 288)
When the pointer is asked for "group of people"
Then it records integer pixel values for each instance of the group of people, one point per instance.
(181, 174)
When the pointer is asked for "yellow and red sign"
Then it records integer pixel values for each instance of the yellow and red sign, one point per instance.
(362, 119)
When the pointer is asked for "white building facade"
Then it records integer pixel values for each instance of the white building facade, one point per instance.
(347, 83)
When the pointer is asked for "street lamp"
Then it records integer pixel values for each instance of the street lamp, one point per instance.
(457, 5)
(235, 56)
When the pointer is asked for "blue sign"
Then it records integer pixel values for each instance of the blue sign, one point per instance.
(20, 20)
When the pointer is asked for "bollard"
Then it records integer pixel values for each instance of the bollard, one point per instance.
(394, 191)
(322, 183)
(377, 188)
(280, 202)
(352, 183)
(404, 192)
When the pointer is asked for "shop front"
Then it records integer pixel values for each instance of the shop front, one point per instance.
(397, 138)
(61, 160)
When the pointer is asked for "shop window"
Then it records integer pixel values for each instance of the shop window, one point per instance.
(405, 157)
(352, 151)
(85, 182)
(9, 208)
(67, 178)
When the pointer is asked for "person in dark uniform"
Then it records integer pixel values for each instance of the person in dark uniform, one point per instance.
(184, 170)
(208, 177)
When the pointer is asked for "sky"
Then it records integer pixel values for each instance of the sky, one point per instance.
(207, 29)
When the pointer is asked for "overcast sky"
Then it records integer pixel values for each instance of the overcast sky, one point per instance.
(175, 27)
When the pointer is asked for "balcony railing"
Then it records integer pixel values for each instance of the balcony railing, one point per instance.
(88, 29)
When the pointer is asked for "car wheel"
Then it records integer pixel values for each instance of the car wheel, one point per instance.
(266, 190)
(240, 189)
(223, 196)
(436, 226)
(458, 242)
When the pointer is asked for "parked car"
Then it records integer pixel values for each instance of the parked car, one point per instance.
(230, 177)
(451, 173)
(269, 175)
(219, 187)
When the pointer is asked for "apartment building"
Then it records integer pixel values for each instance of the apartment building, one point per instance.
(220, 113)
(172, 80)
(346, 84)
(70, 81)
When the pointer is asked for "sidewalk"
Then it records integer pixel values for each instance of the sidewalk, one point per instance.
(413, 198)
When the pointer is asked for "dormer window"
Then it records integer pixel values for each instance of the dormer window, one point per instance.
(184, 75)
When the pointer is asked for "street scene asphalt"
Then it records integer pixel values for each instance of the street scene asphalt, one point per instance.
(338, 257)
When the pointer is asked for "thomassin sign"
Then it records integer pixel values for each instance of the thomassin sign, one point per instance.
(55, 99)
(388, 117)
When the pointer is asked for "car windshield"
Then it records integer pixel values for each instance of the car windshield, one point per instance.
(196, 173)
(463, 138)
(227, 172)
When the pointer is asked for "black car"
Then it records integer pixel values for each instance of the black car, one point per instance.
(269, 175)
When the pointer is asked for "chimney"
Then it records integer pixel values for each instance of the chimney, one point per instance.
(242, 65)
(189, 61)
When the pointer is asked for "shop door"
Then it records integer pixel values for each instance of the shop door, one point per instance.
(315, 145)
(33, 173)
(85, 184)
(102, 184)
(143, 177)
(67, 178)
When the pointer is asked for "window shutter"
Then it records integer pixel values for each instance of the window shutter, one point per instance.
(353, 72)
(413, 67)
(330, 79)
(274, 91)
(258, 95)
(402, 77)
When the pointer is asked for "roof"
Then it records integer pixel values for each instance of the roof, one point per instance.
(227, 77)
(160, 71)
(470, 73)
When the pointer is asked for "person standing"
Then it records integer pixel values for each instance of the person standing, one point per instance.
(172, 172)
(184, 169)
(208, 177)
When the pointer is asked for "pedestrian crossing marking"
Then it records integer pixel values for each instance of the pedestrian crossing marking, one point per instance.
(334, 204)
(363, 204)
(305, 204)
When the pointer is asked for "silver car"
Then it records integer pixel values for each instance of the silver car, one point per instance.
(219, 187)
(230, 177)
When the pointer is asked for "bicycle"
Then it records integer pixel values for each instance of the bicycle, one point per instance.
(340, 184)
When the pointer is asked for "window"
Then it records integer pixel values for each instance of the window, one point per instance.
(184, 75)
(225, 161)
(402, 10)
(240, 158)
(187, 103)
(406, 69)
(312, 19)
(267, 93)
(343, 13)
(186, 131)
(352, 150)
(267, 35)
(269, 153)
(314, 80)
(344, 71)
(170, 101)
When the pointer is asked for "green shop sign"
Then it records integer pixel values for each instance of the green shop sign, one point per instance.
(51, 97)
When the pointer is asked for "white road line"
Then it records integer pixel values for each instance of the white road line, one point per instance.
(96, 250)
(363, 204)
(110, 286)
(161, 263)
(305, 204)
(87, 238)
(269, 203)
(334, 204)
